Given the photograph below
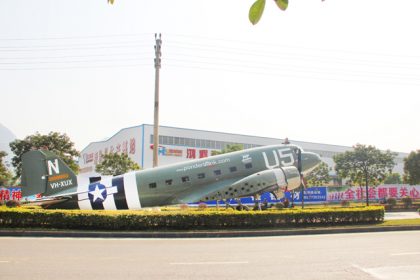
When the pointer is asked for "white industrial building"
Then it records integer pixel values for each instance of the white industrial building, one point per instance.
(181, 144)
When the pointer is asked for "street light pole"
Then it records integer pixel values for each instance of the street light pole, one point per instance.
(158, 54)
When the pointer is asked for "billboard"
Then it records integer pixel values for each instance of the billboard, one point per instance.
(379, 193)
(13, 193)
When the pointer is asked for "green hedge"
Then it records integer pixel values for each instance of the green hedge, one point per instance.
(186, 220)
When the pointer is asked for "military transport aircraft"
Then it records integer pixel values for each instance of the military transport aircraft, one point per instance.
(245, 173)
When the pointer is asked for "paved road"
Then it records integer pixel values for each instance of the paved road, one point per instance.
(401, 215)
(392, 255)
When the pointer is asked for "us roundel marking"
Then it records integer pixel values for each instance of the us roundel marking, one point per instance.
(97, 193)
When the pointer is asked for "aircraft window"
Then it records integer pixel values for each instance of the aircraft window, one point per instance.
(201, 175)
(233, 169)
(168, 182)
(248, 165)
(217, 172)
(185, 179)
(152, 185)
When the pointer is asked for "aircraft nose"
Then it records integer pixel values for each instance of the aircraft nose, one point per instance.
(310, 161)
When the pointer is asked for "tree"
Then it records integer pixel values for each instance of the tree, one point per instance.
(5, 175)
(257, 9)
(364, 165)
(393, 178)
(412, 168)
(319, 176)
(116, 164)
(229, 149)
(55, 142)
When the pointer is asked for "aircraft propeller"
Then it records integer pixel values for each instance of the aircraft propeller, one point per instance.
(299, 167)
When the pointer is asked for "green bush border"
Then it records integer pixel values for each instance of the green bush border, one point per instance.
(187, 219)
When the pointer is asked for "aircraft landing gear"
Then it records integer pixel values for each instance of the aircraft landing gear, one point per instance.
(257, 200)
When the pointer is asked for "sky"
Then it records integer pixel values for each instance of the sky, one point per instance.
(335, 72)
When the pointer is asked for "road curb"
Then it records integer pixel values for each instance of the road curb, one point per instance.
(197, 234)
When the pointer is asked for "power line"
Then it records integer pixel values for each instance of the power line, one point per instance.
(72, 56)
(288, 67)
(308, 58)
(73, 48)
(72, 61)
(287, 74)
(76, 37)
(265, 44)
(70, 45)
(73, 67)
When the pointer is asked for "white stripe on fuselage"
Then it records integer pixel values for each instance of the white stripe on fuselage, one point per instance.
(131, 191)
(82, 189)
(109, 202)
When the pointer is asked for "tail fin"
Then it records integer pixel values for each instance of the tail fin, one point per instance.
(45, 173)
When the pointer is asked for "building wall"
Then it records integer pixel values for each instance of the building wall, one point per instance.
(180, 144)
(128, 140)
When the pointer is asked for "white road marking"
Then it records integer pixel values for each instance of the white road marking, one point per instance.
(208, 263)
(409, 272)
(406, 254)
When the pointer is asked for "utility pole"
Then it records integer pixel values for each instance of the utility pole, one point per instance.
(158, 54)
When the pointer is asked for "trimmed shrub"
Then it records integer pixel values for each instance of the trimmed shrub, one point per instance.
(12, 203)
(286, 203)
(184, 207)
(186, 220)
(202, 206)
(391, 202)
(279, 205)
(345, 203)
(407, 201)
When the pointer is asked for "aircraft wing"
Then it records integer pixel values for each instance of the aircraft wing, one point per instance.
(198, 194)
(46, 201)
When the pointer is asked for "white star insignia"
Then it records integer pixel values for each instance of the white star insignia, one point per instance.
(97, 194)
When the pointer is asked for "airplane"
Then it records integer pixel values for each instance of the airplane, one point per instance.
(245, 173)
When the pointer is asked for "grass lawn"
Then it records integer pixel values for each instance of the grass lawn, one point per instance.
(402, 222)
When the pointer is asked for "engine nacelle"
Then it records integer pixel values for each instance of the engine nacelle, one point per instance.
(276, 180)
(284, 178)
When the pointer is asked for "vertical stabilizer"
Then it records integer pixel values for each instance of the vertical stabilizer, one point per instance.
(45, 173)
